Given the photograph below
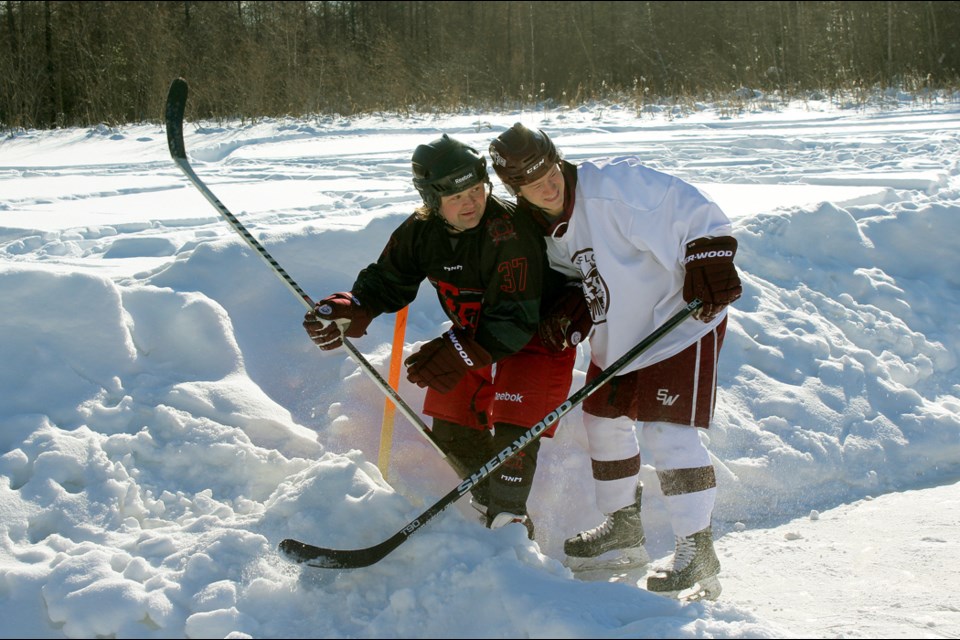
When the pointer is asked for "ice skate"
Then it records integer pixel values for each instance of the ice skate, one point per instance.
(617, 544)
(693, 575)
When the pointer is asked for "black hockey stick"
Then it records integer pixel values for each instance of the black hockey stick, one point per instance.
(176, 104)
(355, 558)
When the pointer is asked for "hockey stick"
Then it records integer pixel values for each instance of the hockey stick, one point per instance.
(324, 558)
(176, 105)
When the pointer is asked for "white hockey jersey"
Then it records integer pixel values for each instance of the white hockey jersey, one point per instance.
(626, 239)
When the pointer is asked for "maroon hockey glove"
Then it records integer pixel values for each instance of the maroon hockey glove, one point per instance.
(334, 317)
(568, 321)
(711, 276)
(441, 363)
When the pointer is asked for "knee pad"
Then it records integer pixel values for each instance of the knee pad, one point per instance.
(674, 446)
(611, 438)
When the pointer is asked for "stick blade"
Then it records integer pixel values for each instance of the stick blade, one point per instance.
(322, 558)
(173, 115)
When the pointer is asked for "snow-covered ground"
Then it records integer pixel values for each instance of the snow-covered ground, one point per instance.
(165, 422)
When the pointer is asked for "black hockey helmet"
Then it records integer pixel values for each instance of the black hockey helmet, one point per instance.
(521, 156)
(444, 167)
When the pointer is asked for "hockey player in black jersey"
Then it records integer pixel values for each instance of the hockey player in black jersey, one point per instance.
(506, 307)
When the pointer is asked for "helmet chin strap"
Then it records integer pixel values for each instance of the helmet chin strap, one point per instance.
(451, 226)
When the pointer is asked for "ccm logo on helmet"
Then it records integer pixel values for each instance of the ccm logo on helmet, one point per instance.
(535, 166)
(726, 253)
(459, 348)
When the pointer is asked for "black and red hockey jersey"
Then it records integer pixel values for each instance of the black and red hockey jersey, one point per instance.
(491, 279)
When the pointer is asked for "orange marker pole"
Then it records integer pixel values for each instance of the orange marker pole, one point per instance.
(389, 409)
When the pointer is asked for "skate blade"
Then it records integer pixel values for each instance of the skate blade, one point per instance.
(706, 589)
(620, 560)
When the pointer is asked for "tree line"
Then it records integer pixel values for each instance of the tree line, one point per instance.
(86, 62)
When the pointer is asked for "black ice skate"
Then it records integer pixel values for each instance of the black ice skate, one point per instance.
(621, 532)
(694, 572)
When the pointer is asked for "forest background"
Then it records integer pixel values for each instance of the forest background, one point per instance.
(67, 64)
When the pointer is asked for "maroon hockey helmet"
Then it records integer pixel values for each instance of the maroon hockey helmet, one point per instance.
(521, 156)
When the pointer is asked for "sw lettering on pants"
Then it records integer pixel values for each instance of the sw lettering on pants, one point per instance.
(664, 397)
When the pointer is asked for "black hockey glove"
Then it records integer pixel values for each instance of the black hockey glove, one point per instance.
(711, 275)
(334, 317)
(441, 363)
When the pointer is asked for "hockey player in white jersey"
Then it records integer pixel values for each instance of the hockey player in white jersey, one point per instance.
(643, 244)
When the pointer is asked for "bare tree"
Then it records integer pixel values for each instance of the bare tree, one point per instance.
(79, 63)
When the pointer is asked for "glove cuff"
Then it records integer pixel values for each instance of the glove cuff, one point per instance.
(704, 251)
(345, 309)
(472, 355)
(325, 307)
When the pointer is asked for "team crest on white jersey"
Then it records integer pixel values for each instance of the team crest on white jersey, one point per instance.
(594, 288)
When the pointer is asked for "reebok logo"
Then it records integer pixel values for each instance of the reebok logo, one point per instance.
(705, 255)
(463, 178)
(506, 396)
